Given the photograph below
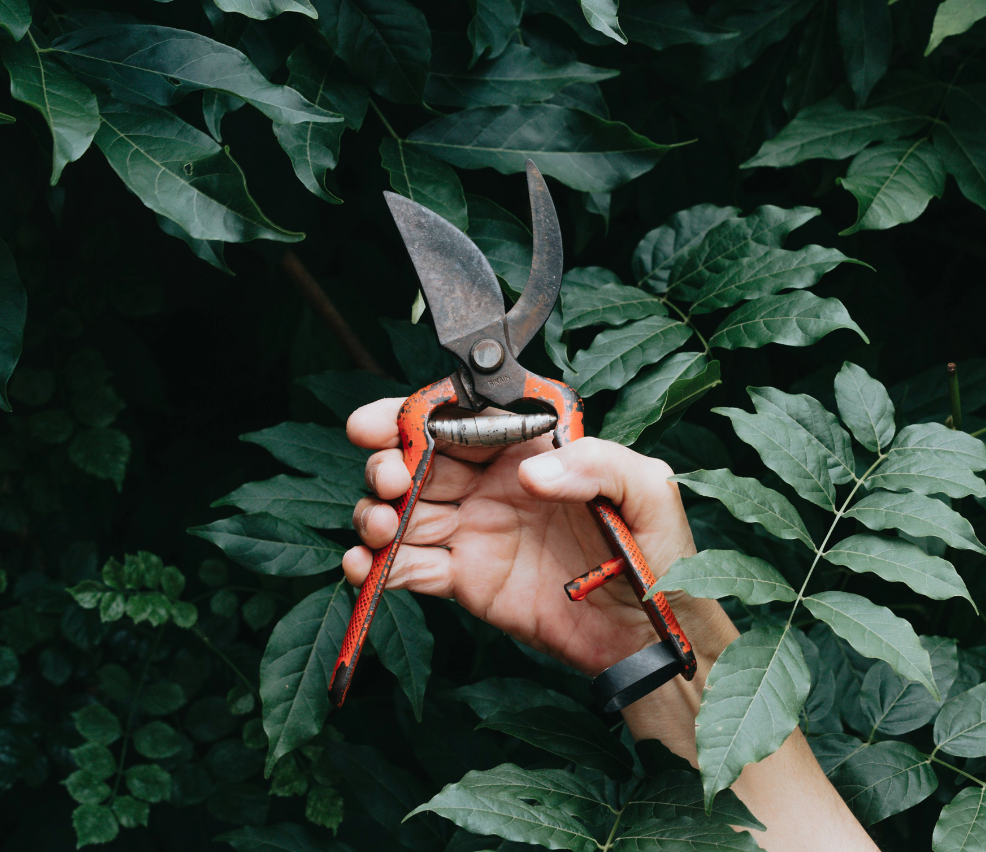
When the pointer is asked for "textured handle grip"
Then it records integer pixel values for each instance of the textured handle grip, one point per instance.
(419, 447)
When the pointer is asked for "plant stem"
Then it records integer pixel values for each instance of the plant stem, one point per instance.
(133, 709)
(687, 320)
(383, 120)
(605, 847)
(208, 643)
(978, 432)
(953, 396)
(955, 769)
(819, 551)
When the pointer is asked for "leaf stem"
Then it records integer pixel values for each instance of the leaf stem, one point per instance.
(820, 551)
(208, 643)
(931, 758)
(955, 401)
(605, 847)
(383, 120)
(687, 320)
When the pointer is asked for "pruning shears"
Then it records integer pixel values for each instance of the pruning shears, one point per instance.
(467, 306)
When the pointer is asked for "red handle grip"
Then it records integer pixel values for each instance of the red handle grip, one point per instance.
(419, 447)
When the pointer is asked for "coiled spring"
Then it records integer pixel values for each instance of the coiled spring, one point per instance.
(492, 431)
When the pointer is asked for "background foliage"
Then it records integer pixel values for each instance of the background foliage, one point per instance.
(157, 692)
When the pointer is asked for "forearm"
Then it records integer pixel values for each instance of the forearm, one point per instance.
(788, 791)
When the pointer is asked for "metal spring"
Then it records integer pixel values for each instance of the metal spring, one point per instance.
(492, 431)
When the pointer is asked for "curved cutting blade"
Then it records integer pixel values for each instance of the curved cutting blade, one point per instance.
(532, 309)
(459, 285)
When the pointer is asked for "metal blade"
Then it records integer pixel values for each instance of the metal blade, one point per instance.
(532, 309)
(459, 285)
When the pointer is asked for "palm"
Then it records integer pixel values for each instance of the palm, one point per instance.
(511, 556)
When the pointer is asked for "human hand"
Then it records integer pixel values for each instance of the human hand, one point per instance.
(502, 530)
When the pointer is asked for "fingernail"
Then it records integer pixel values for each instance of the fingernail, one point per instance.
(370, 475)
(364, 517)
(546, 467)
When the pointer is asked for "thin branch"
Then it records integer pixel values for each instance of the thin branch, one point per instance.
(321, 305)
(952, 372)
(383, 120)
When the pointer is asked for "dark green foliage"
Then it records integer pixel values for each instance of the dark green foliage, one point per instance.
(181, 698)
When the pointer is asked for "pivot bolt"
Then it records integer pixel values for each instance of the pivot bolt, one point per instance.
(486, 355)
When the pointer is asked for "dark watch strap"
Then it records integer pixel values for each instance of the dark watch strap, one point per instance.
(631, 679)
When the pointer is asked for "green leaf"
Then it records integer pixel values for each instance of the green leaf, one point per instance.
(827, 130)
(734, 238)
(182, 174)
(281, 837)
(387, 43)
(899, 561)
(591, 295)
(893, 705)
(866, 36)
(883, 779)
(660, 250)
(684, 835)
(129, 812)
(104, 453)
(725, 573)
(503, 238)
(749, 501)
(751, 703)
(935, 441)
(95, 759)
(728, 283)
(15, 18)
(677, 794)
(794, 319)
(954, 17)
(317, 502)
(821, 426)
(616, 356)
(573, 735)
(518, 76)
(13, 313)
(893, 183)
(86, 788)
(297, 666)
(540, 806)
(962, 824)
(788, 450)
(273, 546)
(97, 724)
(916, 515)
(262, 10)
(674, 383)
(493, 26)
(10, 666)
(157, 740)
(162, 65)
(758, 28)
(925, 475)
(582, 151)
(68, 106)
(865, 407)
(960, 728)
(94, 824)
(404, 644)
(601, 16)
(666, 23)
(343, 391)
(149, 782)
(416, 347)
(314, 449)
(511, 694)
(313, 147)
(875, 632)
(421, 177)
(964, 153)
(211, 251)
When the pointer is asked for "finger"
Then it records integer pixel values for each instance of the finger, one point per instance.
(637, 484)
(374, 426)
(427, 570)
(449, 480)
(376, 523)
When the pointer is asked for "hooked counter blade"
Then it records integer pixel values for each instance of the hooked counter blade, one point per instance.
(458, 282)
(534, 305)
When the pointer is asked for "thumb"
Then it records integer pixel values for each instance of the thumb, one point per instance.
(638, 485)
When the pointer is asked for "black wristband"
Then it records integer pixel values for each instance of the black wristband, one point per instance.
(631, 679)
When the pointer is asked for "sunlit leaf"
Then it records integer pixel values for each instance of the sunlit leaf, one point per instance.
(916, 515)
(725, 573)
(865, 407)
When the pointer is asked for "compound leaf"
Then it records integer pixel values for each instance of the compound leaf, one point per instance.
(724, 573)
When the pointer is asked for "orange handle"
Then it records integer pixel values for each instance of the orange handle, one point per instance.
(419, 448)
